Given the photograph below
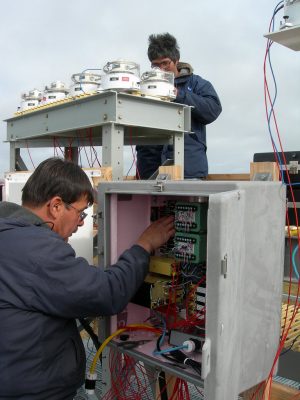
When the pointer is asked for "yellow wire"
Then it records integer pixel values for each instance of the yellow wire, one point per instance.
(107, 340)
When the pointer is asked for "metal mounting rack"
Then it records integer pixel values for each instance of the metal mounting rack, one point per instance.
(113, 120)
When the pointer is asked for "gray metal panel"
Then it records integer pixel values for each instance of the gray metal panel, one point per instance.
(184, 187)
(151, 113)
(262, 280)
(225, 245)
(66, 117)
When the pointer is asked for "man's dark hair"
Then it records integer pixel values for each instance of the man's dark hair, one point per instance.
(163, 45)
(57, 177)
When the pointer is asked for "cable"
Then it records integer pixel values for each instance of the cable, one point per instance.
(29, 154)
(170, 350)
(90, 135)
(162, 386)
(294, 262)
(178, 356)
(271, 113)
(131, 327)
(90, 331)
(291, 345)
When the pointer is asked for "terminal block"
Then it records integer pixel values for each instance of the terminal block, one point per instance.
(191, 217)
(190, 247)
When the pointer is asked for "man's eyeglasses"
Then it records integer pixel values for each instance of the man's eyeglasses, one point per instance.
(82, 214)
(161, 64)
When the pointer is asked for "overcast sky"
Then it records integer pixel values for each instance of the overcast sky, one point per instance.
(45, 41)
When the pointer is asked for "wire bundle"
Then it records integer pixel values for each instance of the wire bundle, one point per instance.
(130, 380)
(282, 164)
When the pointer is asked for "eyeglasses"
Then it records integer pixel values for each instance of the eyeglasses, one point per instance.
(82, 214)
(161, 64)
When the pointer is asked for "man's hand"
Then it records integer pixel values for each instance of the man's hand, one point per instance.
(158, 233)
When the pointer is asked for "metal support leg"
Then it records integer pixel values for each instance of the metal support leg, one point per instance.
(16, 161)
(12, 158)
(179, 150)
(112, 149)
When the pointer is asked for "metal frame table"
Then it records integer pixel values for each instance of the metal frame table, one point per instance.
(112, 119)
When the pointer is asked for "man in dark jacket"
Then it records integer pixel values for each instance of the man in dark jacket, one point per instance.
(192, 90)
(44, 286)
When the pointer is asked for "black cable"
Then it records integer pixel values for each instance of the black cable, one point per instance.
(291, 346)
(90, 331)
(278, 9)
(163, 386)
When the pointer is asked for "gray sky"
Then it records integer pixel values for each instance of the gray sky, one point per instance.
(45, 41)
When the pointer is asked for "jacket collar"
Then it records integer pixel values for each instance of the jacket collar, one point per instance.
(184, 69)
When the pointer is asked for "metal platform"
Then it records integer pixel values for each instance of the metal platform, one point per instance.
(110, 119)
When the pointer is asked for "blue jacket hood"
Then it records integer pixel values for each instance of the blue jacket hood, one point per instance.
(12, 215)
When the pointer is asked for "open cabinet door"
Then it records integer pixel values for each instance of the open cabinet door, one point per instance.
(225, 262)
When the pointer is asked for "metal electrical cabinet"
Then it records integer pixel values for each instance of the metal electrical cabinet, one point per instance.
(244, 255)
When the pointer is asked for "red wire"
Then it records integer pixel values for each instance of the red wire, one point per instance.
(69, 150)
(175, 389)
(192, 293)
(90, 136)
(284, 333)
(164, 388)
(124, 378)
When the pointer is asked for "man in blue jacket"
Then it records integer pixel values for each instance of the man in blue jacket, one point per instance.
(192, 90)
(44, 286)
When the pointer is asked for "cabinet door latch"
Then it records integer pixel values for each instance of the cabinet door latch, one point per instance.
(224, 266)
(161, 179)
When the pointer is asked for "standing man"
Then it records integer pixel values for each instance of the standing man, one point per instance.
(192, 90)
(44, 286)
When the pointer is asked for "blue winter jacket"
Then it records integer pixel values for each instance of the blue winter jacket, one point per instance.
(43, 288)
(194, 91)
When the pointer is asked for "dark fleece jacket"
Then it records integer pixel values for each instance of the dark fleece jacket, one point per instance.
(43, 288)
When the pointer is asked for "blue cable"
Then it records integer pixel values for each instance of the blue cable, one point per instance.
(294, 262)
(170, 349)
(277, 8)
(271, 111)
(164, 333)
